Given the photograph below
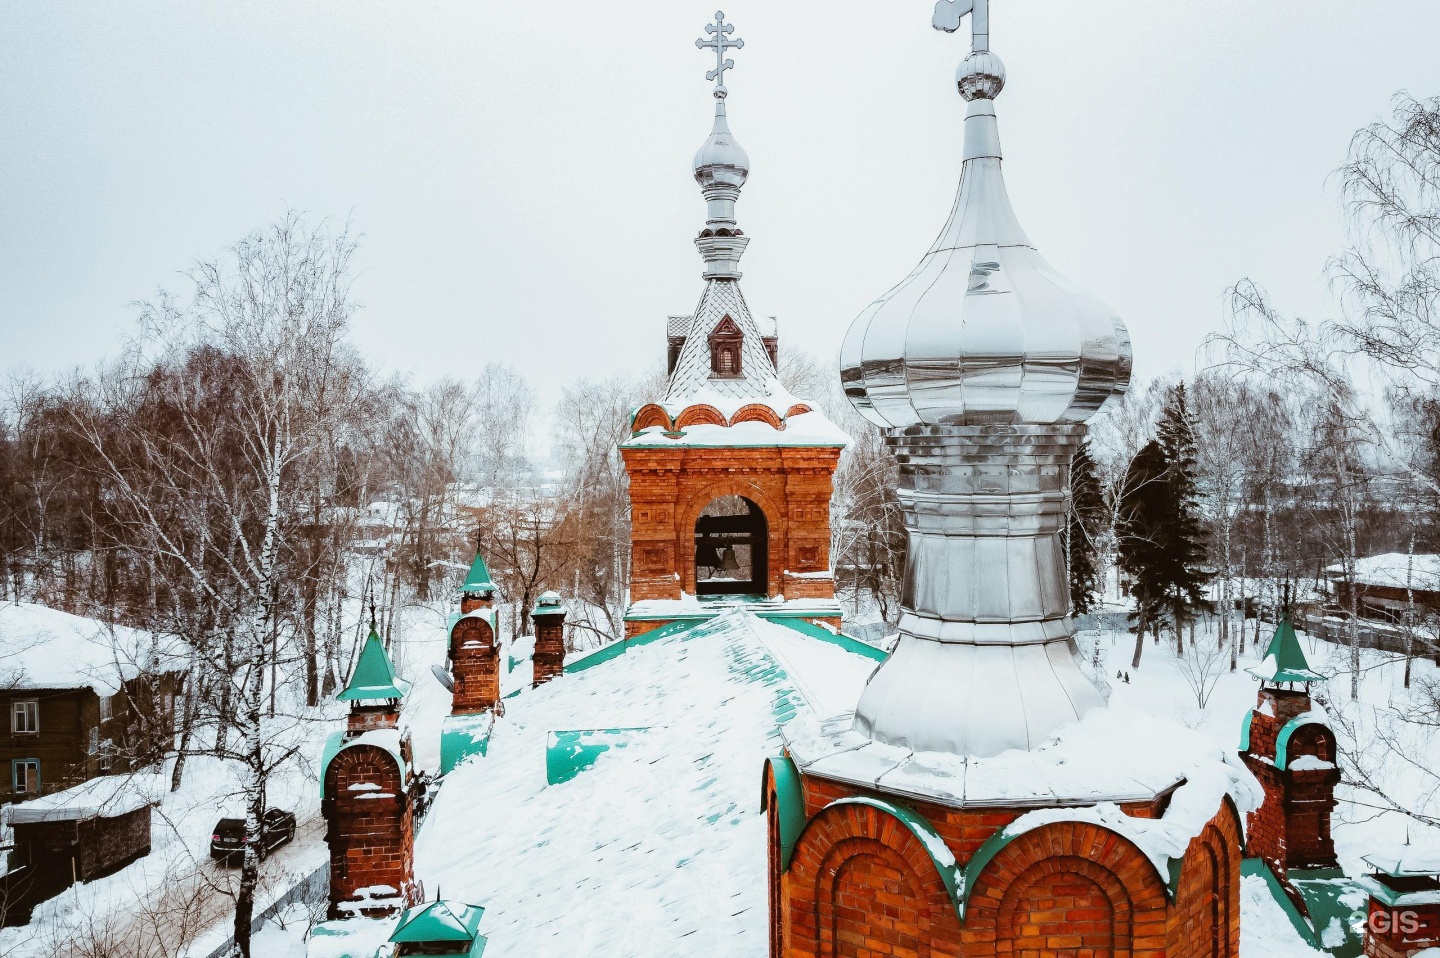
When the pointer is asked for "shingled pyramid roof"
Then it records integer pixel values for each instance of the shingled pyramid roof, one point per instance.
(692, 380)
(1285, 660)
(478, 579)
(374, 677)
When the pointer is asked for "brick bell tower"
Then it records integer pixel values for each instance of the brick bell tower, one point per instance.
(972, 807)
(730, 474)
(1287, 743)
(368, 794)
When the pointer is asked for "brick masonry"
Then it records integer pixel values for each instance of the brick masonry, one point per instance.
(474, 665)
(1291, 829)
(1401, 932)
(371, 830)
(670, 487)
(861, 884)
(549, 660)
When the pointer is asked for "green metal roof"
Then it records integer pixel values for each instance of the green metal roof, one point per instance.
(1338, 909)
(570, 752)
(478, 580)
(438, 921)
(374, 677)
(790, 805)
(1284, 660)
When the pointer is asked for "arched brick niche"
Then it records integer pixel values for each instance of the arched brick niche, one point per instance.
(1063, 888)
(370, 830)
(860, 884)
(1205, 917)
(474, 664)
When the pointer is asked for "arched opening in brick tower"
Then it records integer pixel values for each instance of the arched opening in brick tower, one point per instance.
(731, 547)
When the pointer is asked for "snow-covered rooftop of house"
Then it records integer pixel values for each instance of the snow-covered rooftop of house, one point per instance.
(1395, 569)
(659, 848)
(108, 796)
(43, 648)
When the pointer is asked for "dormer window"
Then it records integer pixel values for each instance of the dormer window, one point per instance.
(725, 343)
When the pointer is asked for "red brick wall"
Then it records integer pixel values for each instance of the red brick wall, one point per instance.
(549, 659)
(371, 839)
(469, 602)
(669, 488)
(1401, 932)
(475, 666)
(861, 884)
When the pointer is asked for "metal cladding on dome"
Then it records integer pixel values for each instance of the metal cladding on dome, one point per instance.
(984, 331)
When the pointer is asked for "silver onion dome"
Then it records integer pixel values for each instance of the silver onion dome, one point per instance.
(982, 366)
(984, 330)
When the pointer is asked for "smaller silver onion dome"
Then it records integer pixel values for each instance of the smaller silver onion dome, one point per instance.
(980, 76)
(721, 160)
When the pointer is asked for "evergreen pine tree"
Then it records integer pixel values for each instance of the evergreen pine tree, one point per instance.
(1162, 544)
(1140, 529)
(1185, 534)
(1082, 531)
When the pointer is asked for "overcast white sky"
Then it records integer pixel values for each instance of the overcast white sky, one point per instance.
(521, 170)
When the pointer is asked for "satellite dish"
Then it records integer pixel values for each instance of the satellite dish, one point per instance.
(443, 677)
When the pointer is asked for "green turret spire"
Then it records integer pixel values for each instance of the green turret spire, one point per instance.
(478, 579)
(374, 677)
(1284, 660)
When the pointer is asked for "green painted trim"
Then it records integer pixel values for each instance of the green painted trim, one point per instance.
(1245, 730)
(615, 649)
(572, 751)
(1282, 741)
(459, 739)
(951, 875)
(840, 639)
(1258, 866)
(790, 798)
(705, 615)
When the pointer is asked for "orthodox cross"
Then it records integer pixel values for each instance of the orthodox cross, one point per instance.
(720, 42)
(949, 13)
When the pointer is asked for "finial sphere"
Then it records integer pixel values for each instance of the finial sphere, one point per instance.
(981, 76)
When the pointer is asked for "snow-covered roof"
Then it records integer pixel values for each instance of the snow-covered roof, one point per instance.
(658, 849)
(43, 648)
(1114, 754)
(1393, 569)
(108, 796)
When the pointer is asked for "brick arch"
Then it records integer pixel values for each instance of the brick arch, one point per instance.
(698, 415)
(861, 883)
(798, 409)
(1060, 902)
(758, 412)
(1311, 739)
(470, 629)
(1063, 853)
(1206, 920)
(648, 415)
(688, 512)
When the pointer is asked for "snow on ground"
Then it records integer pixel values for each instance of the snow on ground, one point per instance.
(1265, 930)
(659, 848)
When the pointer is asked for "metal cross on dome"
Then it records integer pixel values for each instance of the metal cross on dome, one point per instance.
(949, 13)
(720, 42)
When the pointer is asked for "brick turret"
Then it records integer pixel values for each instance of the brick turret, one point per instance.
(549, 618)
(475, 645)
(1403, 913)
(1287, 743)
(369, 791)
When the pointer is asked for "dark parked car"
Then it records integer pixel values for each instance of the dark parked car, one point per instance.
(228, 840)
